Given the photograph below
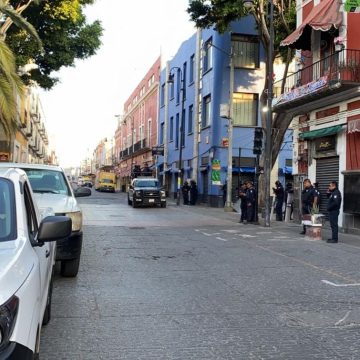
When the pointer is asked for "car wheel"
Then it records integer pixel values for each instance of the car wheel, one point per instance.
(70, 268)
(163, 205)
(129, 201)
(47, 312)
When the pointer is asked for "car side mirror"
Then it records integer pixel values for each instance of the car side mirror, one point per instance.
(54, 228)
(82, 192)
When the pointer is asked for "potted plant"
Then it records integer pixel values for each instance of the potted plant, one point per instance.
(313, 223)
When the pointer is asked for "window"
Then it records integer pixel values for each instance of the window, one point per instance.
(207, 59)
(172, 128)
(162, 95)
(161, 140)
(246, 50)
(7, 211)
(149, 132)
(192, 67)
(172, 90)
(190, 119)
(177, 131)
(206, 113)
(245, 108)
(178, 85)
(182, 128)
(184, 80)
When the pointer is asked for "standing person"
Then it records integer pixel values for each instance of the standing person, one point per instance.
(224, 189)
(250, 201)
(279, 196)
(333, 207)
(243, 203)
(185, 192)
(289, 201)
(308, 200)
(193, 192)
(316, 188)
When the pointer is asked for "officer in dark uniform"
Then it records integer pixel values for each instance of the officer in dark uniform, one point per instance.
(333, 207)
(308, 200)
(243, 203)
(250, 201)
(279, 196)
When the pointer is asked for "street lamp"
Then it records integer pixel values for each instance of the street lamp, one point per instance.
(268, 125)
(182, 135)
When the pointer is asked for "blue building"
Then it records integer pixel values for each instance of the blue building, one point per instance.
(201, 67)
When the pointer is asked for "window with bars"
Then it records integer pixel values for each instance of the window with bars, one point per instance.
(245, 108)
(246, 51)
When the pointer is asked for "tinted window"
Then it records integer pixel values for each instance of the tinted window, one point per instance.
(7, 211)
(48, 181)
(146, 183)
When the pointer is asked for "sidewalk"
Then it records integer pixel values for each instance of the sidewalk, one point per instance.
(288, 227)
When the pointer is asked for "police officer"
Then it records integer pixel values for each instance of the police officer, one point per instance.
(250, 201)
(333, 208)
(243, 204)
(279, 196)
(308, 200)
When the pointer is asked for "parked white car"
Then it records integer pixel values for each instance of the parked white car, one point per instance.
(27, 257)
(52, 189)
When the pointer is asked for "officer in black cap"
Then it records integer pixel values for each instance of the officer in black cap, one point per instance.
(333, 208)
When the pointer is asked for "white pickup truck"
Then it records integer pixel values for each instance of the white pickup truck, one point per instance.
(27, 257)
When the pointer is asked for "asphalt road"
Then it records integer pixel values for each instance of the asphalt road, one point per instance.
(192, 283)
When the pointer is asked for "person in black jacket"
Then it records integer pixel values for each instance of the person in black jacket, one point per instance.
(193, 192)
(279, 196)
(243, 203)
(333, 207)
(308, 200)
(185, 192)
(250, 201)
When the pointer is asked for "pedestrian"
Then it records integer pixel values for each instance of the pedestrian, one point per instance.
(333, 208)
(243, 203)
(289, 201)
(224, 189)
(279, 197)
(316, 188)
(193, 192)
(250, 202)
(185, 192)
(308, 200)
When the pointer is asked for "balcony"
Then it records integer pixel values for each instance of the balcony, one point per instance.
(138, 148)
(331, 75)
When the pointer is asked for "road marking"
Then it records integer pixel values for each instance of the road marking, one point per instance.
(231, 231)
(207, 234)
(246, 235)
(343, 319)
(219, 238)
(339, 285)
(263, 232)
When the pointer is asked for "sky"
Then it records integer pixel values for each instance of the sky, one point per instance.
(81, 109)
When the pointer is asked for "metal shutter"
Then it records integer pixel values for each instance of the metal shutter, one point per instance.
(327, 170)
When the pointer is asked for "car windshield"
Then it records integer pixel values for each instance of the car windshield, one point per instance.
(107, 181)
(7, 211)
(48, 181)
(146, 183)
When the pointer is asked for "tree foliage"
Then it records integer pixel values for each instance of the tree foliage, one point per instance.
(65, 34)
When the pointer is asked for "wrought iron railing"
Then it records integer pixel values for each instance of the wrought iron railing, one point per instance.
(139, 145)
(342, 66)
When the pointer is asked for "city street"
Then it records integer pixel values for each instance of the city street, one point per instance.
(192, 283)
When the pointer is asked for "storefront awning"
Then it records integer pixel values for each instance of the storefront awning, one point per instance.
(322, 17)
(353, 126)
(308, 135)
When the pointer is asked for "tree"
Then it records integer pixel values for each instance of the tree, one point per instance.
(220, 13)
(64, 32)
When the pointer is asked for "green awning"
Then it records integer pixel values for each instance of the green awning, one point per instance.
(320, 132)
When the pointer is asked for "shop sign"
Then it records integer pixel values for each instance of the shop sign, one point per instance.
(225, 142)
(301, 91)
(215, 172)
(325, 144)
(157, 151)
(4, 156)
